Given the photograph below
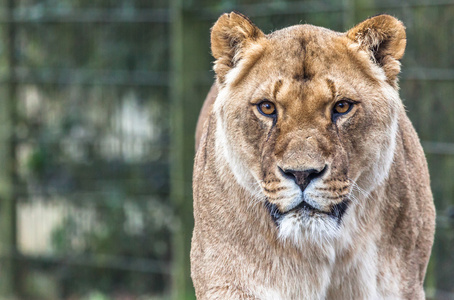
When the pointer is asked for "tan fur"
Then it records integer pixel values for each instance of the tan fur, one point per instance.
(251, 240)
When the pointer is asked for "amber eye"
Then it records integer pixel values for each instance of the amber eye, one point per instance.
(267, 108)
(341, 108)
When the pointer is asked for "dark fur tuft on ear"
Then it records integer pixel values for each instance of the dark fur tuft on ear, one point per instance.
(229, 36)
(384, 37)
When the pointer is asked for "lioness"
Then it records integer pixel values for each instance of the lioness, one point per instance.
(309, 179)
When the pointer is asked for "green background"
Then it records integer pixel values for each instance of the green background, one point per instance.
(98, 106)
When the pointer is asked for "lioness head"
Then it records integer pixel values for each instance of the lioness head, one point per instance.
(307, 117)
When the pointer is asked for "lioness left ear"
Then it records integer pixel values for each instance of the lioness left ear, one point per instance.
(230, 36)
(384, 38)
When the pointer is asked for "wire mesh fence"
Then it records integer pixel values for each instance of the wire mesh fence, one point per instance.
(90, 137)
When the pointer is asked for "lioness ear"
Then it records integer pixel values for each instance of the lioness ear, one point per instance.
(384, 38)
(231, 34)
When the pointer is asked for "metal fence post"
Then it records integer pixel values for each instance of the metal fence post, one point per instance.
(186, 53)
(8, 247)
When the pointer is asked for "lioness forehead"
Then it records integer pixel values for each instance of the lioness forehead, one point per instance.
(303, 52)
(304, 34)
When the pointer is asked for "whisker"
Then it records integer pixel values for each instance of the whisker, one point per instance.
(357, 188)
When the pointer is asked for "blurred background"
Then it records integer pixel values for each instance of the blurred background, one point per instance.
(98, 104)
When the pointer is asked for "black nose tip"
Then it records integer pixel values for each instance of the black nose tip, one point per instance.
(303, 178)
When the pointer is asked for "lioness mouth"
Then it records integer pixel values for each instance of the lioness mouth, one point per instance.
(337, 211)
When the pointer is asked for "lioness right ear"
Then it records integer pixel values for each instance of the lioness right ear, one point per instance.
(230, 35)
(384, 38)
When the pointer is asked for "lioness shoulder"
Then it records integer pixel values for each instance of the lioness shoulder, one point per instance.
(309, 179)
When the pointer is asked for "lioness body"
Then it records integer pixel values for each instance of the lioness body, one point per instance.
(366, 227)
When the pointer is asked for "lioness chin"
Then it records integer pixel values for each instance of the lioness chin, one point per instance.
(309, 179)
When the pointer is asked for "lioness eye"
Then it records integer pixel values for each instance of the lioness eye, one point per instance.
(267, 108)
(342, 107)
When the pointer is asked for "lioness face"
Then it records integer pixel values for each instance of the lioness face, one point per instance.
(305, 116)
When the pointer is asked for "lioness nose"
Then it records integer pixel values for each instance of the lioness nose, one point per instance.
(303, 178)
